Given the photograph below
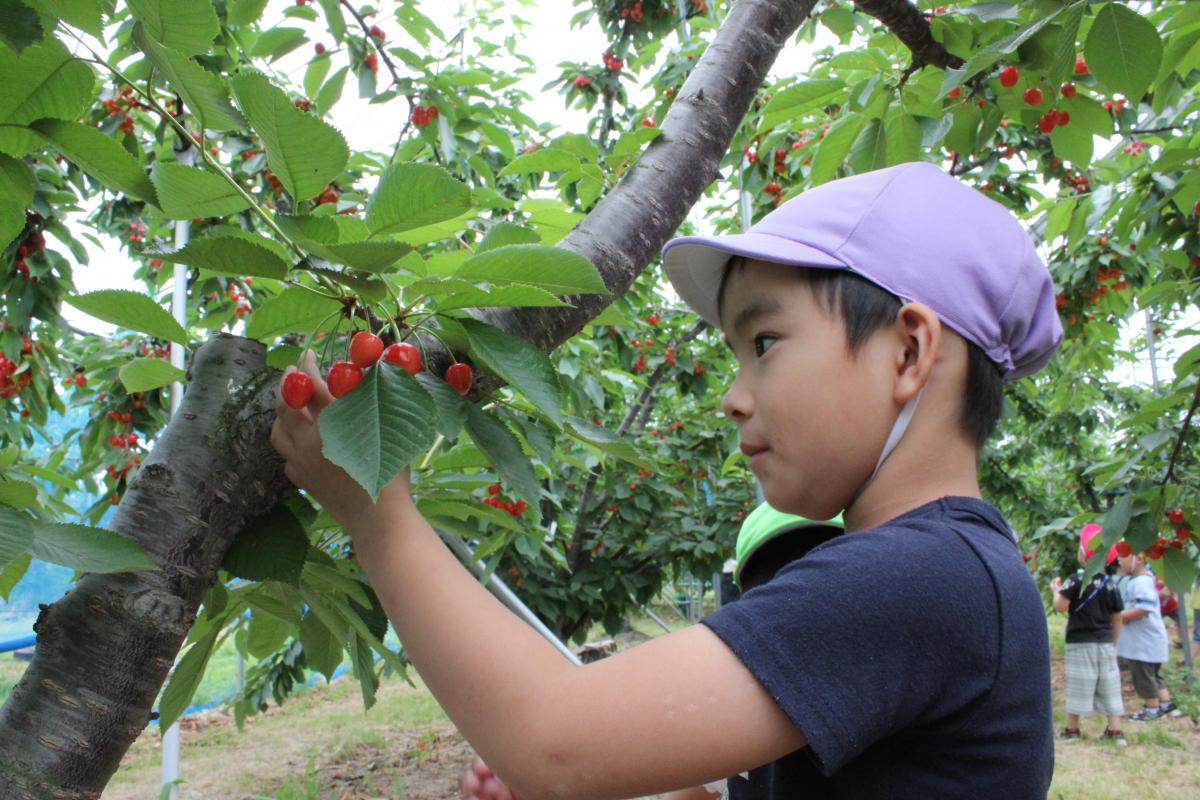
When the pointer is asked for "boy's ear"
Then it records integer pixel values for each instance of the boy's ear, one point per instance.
(920, 333)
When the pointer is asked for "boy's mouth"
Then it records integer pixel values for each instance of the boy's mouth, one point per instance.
(752, 450)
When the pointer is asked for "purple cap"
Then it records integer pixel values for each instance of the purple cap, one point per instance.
(915, 231)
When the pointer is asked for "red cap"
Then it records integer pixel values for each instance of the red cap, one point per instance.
(1086, 538)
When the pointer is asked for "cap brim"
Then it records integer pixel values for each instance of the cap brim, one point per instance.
(694, 264)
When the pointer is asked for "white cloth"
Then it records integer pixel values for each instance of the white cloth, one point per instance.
(1143, 639)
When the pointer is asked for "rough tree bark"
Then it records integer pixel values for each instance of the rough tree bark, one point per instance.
(105, 649)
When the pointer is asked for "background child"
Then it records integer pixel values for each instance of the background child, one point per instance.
(1093, 624)
(1143, 645)
(908, 656)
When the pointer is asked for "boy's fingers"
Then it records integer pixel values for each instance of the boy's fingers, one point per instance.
(321, 396)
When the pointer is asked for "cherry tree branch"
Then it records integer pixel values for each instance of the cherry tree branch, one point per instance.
(912, 28)
(1187, 423)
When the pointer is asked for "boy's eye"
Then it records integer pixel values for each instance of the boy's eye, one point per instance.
(762, 342)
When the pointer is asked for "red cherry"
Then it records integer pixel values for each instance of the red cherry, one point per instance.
(372, 62)
(956, 91)
(1196, 211)
(1046, 123)
(24, 412)
(1068, 90)
(1154, 551)
(1033, 96)
(320, 48)
(459, 376)
(1175, 515)
(404, 356)
(343, 376)
(131, 438)
(1108, 105)
(1061, 117)
(296, 389)
(1123, 549)
(494, 489)
(1081, 67)
(1009, 77)
(772, 188)
(365, 349)
(1183, 534)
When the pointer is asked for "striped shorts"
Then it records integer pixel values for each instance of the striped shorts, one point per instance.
(1093, 680)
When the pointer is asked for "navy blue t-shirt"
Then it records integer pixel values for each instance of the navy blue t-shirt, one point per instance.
(912, 656)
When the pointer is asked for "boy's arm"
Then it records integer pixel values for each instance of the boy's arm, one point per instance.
(1131, 614)
(1061, 602)
(677, 711)
(695, 793)
(1116, 626)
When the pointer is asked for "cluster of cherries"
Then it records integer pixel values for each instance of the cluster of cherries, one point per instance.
(34, 243)
(120, 106)
(366, 349)
(8, 367)
(633, 12)
(423, 115)
(496, 500)
(611, 62)
(1155, 551)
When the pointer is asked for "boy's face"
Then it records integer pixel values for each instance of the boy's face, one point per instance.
(812, 416)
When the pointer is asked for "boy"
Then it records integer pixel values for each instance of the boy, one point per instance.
(1143, 645)
(908, 657)
(1093, 628)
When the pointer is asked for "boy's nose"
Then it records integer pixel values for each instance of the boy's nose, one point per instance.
(736, 403)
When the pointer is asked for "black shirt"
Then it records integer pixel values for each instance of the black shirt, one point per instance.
(1089, 618)
(912, 656)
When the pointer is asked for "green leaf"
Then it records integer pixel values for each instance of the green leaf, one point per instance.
(451, 406)
(204, 93)
(551, 268)
(503, 233)
(17, 493)
(607, 441)
(549, 159)
(265, 634)
(413, 195)
(515, 296)
(903, 140)
(796, 100)
(230, 252)
(11, 574)
(144, 374)
(188, 26)
(526, 368)
(305, 152)
(245, 12)
(185, 679)
(1116, 521)
(132, 310)
(1058, 218)
(22, 26)
(16, 194)
(831, 152)
(294, 310)
(632, 142)
(86, 549)
(274, 43)
(870, 149)
(378, 428)
(331, 92)
(315, 74)
(503, 449)
(322, 651)
(1123, 50)
(1073, 143)
(16, 534)
(1179, 571)
(272, 547)
(187, 192)
(98, 155)
(83, 14)
(984, 57)
(333, 16)
(44, 81)
(364, 670)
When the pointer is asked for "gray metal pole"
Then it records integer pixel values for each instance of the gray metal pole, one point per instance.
(505, 595)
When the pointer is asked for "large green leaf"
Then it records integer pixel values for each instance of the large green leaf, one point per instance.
(1179, 571)
(294, 310)
(503, 233)
(1123, 50)
(377, 429)
(1116, 521)
(132, 310)
(549, 159)
(515, 296)
(16, 534)
(274, 43)
(17, 493)
(339, 240)
(11, 574)
(230, 252)
(334, 18)
(984, 57)
(503, 449)
(188, 26)
(903, 140)
(322, 651)
(16, 193)
(87, 549)
(415, 195)
(265, 634)
(144, 374)
(796, 100)
(244, 12)
(43, 81)
(451, 406)
(832, 151)
(869, 152)
(525, 367)
(272, 547)
(186, 677)
(22, 25)
(204, 93)
(187, 192)
(83, 14)
(304, 152)
(550, 268)
(100, 156)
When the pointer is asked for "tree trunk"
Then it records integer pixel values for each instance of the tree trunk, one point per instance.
(104, 649)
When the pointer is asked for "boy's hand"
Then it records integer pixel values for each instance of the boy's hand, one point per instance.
(296, 437)
(1056, 585)
(480, 783)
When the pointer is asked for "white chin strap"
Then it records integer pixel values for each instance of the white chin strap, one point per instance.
(898, 429)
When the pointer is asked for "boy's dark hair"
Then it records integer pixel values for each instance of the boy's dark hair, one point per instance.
(865, 308)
